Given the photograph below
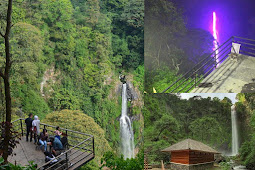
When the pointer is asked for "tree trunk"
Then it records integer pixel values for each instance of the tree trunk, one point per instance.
(2, 111)
(6, 81)
(8, 118)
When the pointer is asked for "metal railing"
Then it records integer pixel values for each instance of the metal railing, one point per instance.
(193, 77)
(79, 150)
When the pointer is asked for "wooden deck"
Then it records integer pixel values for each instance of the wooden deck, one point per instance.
(26, 151)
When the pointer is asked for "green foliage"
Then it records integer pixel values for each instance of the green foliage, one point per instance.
(207, 129)
(79, 121)
(139, 78)
(120, 50)
(10, 166)
(163, 77)
(225, 165)
(27, 43)
(92, 165)
(114, 162)
(30, 101)
(169, 119)
(171, 49)
(13, 138)
(246, 111)
(65, 99)
(247, 153)
(134, 13)
(86, 42)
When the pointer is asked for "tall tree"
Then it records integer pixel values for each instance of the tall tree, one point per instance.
(6, 76)
(163, 22)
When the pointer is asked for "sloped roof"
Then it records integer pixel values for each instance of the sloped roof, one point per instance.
(190, 144)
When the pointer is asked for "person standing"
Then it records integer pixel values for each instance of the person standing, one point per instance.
(28, 122)
(36, 127)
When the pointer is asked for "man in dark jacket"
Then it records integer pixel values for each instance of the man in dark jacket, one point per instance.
(28, 122)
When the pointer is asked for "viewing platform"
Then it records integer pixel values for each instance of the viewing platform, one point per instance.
(79, 150)
(232, 76)
(228, 69)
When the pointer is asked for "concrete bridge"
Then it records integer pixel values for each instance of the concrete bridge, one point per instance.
(229, 69)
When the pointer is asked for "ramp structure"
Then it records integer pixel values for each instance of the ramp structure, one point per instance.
(79, 150)
(230, 68)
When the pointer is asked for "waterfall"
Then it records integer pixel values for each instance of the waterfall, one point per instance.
(126, 131)
(235, 144)
(42, 84)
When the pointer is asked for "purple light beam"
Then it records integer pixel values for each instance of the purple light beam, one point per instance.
(215, 42)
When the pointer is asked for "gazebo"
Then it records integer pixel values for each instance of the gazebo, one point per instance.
(190, 154)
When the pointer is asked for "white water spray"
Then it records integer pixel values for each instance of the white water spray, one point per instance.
(126, 131)
(235, 143)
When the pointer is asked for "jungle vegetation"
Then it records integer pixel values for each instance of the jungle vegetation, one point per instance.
(68, 54)
(171, 48)
(170, 119)
(245, 109)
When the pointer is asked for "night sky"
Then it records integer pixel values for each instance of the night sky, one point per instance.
(234, 17)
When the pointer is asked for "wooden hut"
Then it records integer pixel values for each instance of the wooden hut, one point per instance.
(190, 154)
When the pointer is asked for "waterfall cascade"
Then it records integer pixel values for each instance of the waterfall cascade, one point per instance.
(235, 142)
(126, 131)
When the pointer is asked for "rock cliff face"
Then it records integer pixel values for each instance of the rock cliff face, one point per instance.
(133, 94)
(49, 78)
(131, 91)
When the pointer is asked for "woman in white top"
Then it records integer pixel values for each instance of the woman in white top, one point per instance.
(36, 127)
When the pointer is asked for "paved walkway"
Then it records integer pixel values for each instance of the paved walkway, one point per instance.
(232, 76)
(25, 152)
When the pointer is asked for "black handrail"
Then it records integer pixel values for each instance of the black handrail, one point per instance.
(213, 60)
(74, 148)
(83, 142)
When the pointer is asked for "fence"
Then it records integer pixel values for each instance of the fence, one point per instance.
(202, 69)
(80, 148)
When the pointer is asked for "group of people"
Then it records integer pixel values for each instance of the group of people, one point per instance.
(42, 138)
(33, 127)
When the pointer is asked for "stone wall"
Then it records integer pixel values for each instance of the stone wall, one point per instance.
(191, 167)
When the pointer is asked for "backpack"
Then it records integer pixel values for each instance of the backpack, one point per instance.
(34, 129)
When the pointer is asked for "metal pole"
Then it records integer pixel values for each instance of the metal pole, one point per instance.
(215, 61)
(93, 146)
(66, 160)
(195, 79)
(21, 127)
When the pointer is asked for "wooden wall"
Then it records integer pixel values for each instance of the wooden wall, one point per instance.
(180, 157)
(196, 157)
(191, 157)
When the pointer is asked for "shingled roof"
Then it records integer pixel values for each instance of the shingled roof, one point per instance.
(190, 144)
